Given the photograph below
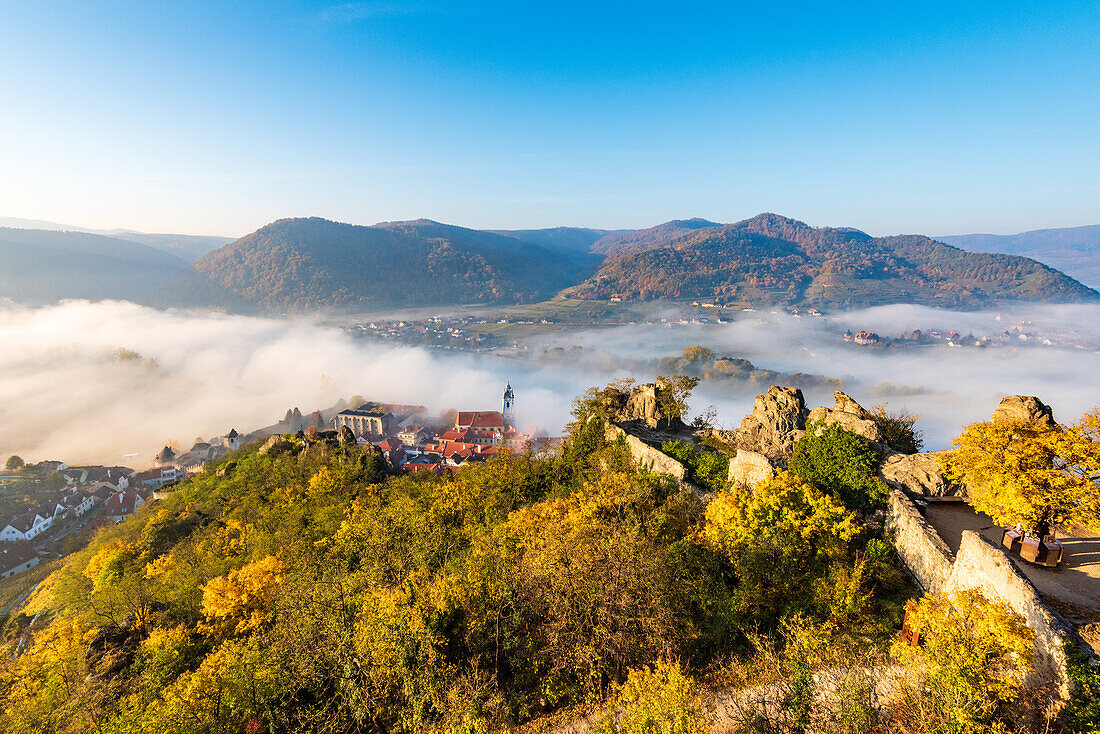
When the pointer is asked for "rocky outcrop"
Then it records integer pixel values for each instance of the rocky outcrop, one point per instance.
(1021, 408)
(274, 444)
(643, 405)
(345, 437)
(748, 469)
(919, 474)
(646, 456)
(778, 419)
(849, 415)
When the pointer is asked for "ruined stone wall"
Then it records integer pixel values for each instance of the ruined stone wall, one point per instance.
(647, 456)
(921, 548)
(982, 566)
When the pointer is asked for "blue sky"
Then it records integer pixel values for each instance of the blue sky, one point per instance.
(215, 118)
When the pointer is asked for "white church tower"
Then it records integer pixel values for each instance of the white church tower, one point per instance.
(509, 406)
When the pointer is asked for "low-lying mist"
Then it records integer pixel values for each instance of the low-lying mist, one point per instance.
(103, 382)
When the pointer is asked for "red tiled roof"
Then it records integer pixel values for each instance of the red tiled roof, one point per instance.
(480, 419)
(389, 444)
(122, 503)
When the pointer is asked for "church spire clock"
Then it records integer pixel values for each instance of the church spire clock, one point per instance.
(509, 405)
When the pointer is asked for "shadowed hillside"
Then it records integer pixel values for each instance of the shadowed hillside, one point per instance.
(303, 264)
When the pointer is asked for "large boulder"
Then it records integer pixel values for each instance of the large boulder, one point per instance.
(849, 415)
(1023, 408)
(778, 419)
(919, 474)
(748, 469)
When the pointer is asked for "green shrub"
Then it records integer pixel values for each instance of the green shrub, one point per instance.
(706, 469)
(842, 463)
(899, 429)
(1082, 714)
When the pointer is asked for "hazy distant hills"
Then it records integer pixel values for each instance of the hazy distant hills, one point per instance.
(775, 260)
(311, 264)
(567, 240)
(308, 264)
(1073, 250)
(186, 246)
(40, 266)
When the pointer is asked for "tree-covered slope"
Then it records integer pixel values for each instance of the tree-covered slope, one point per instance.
(42, 266)
(774, 260)
(615, 243)
(300, 587)
(300, 264)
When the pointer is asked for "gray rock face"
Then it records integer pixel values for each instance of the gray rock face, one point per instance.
(850, 415)
(642, 405)
(345, 436)
(748, 469)
(273, 443)
(1023, 408)
(778, 419)
(919, 474)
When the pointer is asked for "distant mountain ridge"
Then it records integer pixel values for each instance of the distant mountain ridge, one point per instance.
(1073, 250)
(313, 264)
(186, 246)
(40, 267)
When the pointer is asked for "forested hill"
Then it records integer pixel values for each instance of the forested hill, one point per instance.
(39, 267)
(773, 260)
(304, 264)
(646, 239)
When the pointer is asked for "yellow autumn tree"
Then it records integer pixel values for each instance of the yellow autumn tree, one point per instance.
(245, 595)
(972, 661)
(1031, 474)
(658, 699)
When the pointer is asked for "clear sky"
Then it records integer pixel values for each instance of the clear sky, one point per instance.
(218, 117)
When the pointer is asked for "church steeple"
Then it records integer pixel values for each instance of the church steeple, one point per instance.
(509, 404)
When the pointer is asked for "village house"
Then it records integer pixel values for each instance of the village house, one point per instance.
(393, 451)
(28, 525)
(413, 435)
(74, 504)
(116, 476)
(157, 477)
(16, 557)
(122, 505)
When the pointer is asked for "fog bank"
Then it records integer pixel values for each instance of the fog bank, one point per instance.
(67, 391)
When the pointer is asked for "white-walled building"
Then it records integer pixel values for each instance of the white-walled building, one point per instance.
(16, 557)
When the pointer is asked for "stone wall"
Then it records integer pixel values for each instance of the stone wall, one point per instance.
(647, 456)
(982, 566)
(921, 548)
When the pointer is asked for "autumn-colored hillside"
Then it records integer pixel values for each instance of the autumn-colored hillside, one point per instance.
(772, 260)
